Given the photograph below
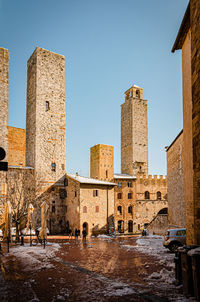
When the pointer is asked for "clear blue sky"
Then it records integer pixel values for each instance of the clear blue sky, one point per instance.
(108, 45)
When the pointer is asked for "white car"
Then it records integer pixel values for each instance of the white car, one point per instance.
(47, 230)
(1, 233)
(27, 232)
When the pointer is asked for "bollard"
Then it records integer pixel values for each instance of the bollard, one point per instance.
(22, 239)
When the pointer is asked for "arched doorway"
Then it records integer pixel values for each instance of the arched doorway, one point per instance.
(163, 211)
(130, 226)
(85, 226)
(120, 226)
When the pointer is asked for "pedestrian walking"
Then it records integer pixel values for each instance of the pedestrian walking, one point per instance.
(76, 234)
(84, 233)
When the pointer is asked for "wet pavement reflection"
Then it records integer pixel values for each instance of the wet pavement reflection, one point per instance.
(98, 270)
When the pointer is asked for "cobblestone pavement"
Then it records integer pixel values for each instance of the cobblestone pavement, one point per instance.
(102, 269)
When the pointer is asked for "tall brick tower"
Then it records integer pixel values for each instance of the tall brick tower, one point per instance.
(4, 62)
(102, 162)
(134, 133)
(45, 115)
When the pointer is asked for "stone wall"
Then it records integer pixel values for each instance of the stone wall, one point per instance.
(100, 209)
(4, 80)
(134, 133)
(175, 181)
(102, 162)
(84, 207)
(73, 204)
(45, 122)
(143, 210)
(16, 146)
(193, 220)
(125, 197)
(159, 225)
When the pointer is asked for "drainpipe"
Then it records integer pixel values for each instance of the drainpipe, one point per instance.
(107, 213)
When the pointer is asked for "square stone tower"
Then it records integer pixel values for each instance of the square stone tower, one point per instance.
(4, 65)
(134, 133)
(102, 162)
(45, 115)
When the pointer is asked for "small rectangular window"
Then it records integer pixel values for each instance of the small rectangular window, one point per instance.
(119, 196)
(130, 184)
(130, 195)
(47, 106)
(95, 193)
(53, 209)
(119, 184)
(75, 193)
(97, 209)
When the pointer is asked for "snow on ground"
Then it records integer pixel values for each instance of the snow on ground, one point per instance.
(35, 257)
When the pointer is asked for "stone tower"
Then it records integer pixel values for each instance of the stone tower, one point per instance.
(102, 162)
(4, 63)
(134, 133)
(45, 115)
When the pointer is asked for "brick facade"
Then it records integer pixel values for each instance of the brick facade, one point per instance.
(16, 146)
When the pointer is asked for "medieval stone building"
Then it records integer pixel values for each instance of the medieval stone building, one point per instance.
(140, 199)
(127, 201)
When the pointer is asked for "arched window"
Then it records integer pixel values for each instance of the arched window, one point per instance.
(130, 226)
(137, 94)
(119, 209)
(130, 209)
(159, 196)
(84, 209)
(147, 195)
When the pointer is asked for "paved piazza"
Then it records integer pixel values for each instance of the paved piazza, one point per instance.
(102, 269)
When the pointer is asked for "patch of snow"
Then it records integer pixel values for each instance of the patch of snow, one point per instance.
(35, 257)
(104, 237)
(194, 251)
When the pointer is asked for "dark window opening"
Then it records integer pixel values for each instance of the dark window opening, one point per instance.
(75, 193)
(130, 195)
(65, 182)
(95, 193)
(130, 209)
(159, 195)
(147, 195)
(119, 209)
(137, 94)
(120, 226)
(119, 195)
(47, 106)
(106, 173)
(53, 209)
(130, 226)
(130, 184)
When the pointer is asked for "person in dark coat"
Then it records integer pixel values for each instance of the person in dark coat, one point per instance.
(84, 233)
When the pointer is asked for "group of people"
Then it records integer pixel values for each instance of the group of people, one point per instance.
(77, 233)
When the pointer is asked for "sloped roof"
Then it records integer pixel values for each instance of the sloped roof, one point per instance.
(88, 180)
(124, 176)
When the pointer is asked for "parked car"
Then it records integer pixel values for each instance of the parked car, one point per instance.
(174, 238)
(27, 232)
(1, 233)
